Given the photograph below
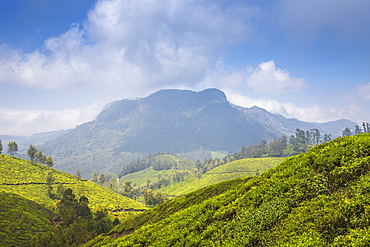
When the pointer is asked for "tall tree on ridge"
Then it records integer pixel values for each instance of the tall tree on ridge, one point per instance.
(357, 129)
(32, 150)
(49, 161)
(346, 132)
(39, 157)
(12, 148)
(1, 147)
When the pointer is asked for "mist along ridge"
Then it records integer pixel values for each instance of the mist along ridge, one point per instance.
(319, 198)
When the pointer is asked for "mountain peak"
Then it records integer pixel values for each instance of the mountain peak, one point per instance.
(209, 94)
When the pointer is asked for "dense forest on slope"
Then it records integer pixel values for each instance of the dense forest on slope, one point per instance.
(320, 198)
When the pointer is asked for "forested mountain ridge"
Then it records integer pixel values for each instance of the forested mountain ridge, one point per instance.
(289, 125)
(175, 121)
(319, 198)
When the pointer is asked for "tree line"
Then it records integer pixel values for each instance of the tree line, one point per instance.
(32, 152)
(12, 148)
(358, 130)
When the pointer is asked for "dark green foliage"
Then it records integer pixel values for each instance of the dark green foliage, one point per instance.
(49, 161)
(31, 152)
(1, 147)
(320, 198)
(21, 219)
(346, 132)
(150, 160)
(78, 223)
(12, 148)
(39, 157)
(153, 198)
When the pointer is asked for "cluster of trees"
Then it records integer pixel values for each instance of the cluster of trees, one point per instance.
(358, 130)
(34, 154)
(146, 162)
(76, 223)
(97, 179)
(126, 188)
(12, 148)
(38, 156)
(300, 142)
(153, 198)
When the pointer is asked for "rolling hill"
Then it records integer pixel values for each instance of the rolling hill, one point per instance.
(320, 198)
(28, 179)
(21, 219)
(235, 169)
(142, 177)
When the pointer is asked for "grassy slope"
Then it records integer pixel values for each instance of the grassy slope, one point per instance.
(167, 209)
(27, 179)
(235, 169)
(320, 198)
(141, 177)
(20, 219)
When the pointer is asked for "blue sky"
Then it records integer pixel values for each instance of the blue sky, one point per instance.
(62, 61)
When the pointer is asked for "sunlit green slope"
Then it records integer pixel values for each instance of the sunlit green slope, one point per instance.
(321, 198)
(28, 179)
(20, 219)
(142, 177)
(234, 169)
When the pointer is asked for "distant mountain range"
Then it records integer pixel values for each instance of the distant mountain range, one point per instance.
(175, 121)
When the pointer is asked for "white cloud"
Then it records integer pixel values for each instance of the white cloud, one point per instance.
(133, 46)
(266, 77)
(309, 114)
(28, 122)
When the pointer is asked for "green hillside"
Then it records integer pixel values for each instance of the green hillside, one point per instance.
(20, 219)
(320, 198)
(231, 170)
(28, 179)
(177, 164)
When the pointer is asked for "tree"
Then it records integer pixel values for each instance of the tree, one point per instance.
(78, 173)
(39, 157)
(95, 177)
(32, 150)
(49, 182)
(346, 132)
(1, 147)
(327, 137)
(101, 178)
(12, 148)
(316, 136)
(358, 130)
(49, 161)
(300, 136)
